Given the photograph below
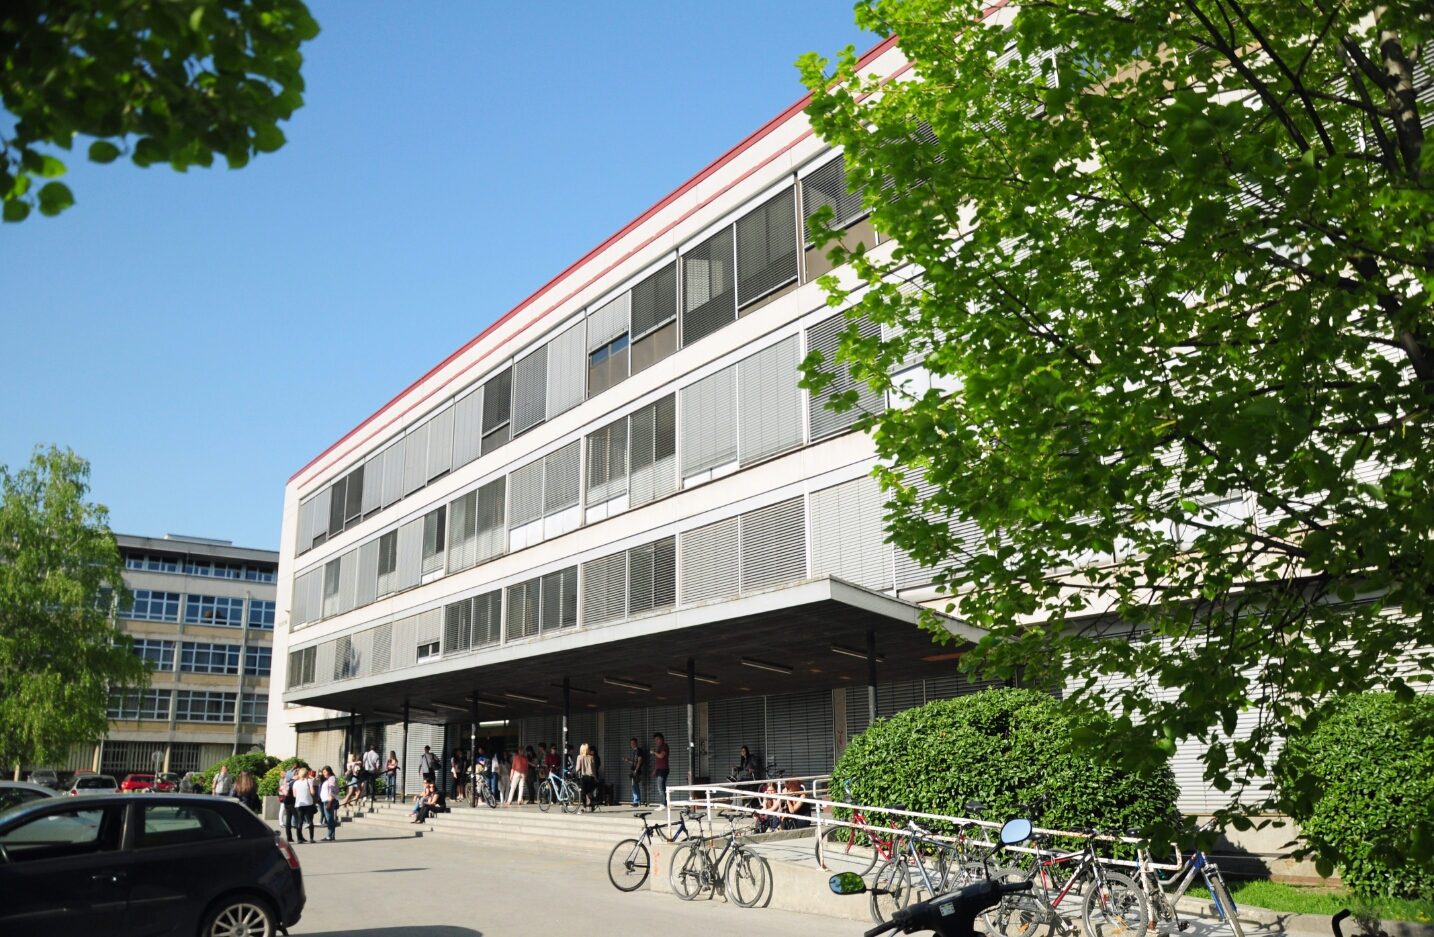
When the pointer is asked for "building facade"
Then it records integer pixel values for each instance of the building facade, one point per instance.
(616, 509)
(203, 615)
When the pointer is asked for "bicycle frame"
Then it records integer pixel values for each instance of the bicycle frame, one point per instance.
(1196, 864)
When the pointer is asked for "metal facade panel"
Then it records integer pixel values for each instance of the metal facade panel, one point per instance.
(604, 589)
(382, 647)
(608, 321)
(404, 650)
(319, 519)
(348, 581)
(773, 545)
(767, 248)
(708, 562)
(467, 428)
(525, 494)
(393, 458)
(415, 459)
(709, 422)
(492, 533)
(607, 462)
(324, 668)
(373, 483)
(657, 480)
(847, 533)
(440, 444)
(300, 611)
(428, 627)
(420, 735)
(530, 390)
(567, 371)
(303, 534)
(909, 572)
(709, 297)
(732, 723)
(410, 555)
(463, 532)
(891, 698)
(825, 337)
(800, 737)
(316, 594)
(769, 401)
(562, 477)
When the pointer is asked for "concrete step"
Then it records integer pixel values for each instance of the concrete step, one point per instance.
(528, 826)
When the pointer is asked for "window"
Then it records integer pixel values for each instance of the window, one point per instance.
(214, 610)
(387, 562)
(709, 299)
(159, 653)
(257, 660)
(431, 649)
(827, 187)
(260, 573)
(433, 535)
(332, 569)
(153, 563)
(180, 826)
(473, 622)
(497, 406)
(652, 451)
(523, 609)
(301, 666)
(709, 422)
(214, 569)
(149, 705)
(195, 657)
(254, 708)
(65, 834)
(654, 318)
(346, 502)
(824, 337)
(766, 250)
(261, 614)
(607, 365)
(154, 606)
(560, 600)
(530, 390)
(607, 465)
(203, 706)
(652, 576)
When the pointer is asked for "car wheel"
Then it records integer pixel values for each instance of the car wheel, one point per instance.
(239, 916)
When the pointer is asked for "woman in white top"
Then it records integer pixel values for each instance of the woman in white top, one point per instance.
(304, 796)
(329, 801)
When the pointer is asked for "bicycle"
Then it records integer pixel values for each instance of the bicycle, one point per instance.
(895, 882)
(630, 861)
(559, 789)
(1162, 902)
(1113, 907)
(481, 785)
(737, 870)
(836, 844)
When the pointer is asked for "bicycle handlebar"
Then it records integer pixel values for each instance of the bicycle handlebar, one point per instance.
(949, 915)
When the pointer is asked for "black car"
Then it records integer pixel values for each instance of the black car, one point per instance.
(144, 865)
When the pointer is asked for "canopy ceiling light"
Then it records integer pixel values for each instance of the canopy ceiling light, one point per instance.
(453, 706)
(488, 702)
(699, 677)
(575, 689)
(629, 684)
(386, 714)
(764, 665)
(853, 652)
(525, 697)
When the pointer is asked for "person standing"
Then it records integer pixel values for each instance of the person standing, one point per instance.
(286, 803)
(329, 801)
(638, 761)
(586, 767)
(371, 763)
(660, 769)
(246, 791)
(428, 766)
(305, 796)
(223, 782)
(518, 771)
(458, 765)
(390, 776)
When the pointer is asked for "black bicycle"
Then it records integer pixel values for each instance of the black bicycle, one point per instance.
(630, 861)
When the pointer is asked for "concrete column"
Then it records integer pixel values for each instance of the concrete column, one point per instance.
(403, 757)
(871, 676)
(691, 721)
(567, 712)
(168, 750)
(473, 749)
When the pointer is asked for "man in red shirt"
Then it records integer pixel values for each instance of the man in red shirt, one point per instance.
(659, 766)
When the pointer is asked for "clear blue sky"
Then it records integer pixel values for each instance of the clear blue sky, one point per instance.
(200, 337)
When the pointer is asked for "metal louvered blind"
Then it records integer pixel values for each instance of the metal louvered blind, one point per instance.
(440, 444)
(457, 626)
(410, 555)
(497, 410)
(652, 445)
(393, 459)
(709, 299)
(523, 609)
(489, 525)
(372, 484)
(434, 539)
(405, 647)
(654, 301)
(319, 519)
(300, 611)
(825, 337)
(608, 321)
(732, 723)
(530, 390)
(388, 562)
(770, 402)
(652, 576)
(709, 562)
(563, 471)
(966, 534)
(709, 422)
(468, 428)
(382, 648)
(848, 532)
(488, 618)
(463, 532)
(800, 735)
(767, 248)
(525, 494)
(415, 459)
(827, 186)
(343, 658)
(367, 574)
(607, 462)
(773, 545)
(604, 589)
(304, 533)
(567, 371)
(560, 600)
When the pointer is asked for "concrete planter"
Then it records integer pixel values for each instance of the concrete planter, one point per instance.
(271, 808)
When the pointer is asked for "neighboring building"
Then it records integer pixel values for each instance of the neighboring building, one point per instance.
(619, 480)
(203, 614)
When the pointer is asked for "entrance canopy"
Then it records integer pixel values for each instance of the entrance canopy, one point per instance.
(806, 636)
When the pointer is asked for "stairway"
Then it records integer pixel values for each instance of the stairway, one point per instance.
(593, 833)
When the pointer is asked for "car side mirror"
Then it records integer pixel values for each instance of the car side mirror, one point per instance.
(1016, 831)
(847, 883)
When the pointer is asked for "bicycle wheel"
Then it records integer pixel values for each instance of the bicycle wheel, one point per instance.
(628, 865)
(1223, 903)
(688, 871)
(489, 798)
(1022, 914)
(745, 878)
(545, 796)
(572, 798)
(845, 849)
(890, 890)
(1115, 907)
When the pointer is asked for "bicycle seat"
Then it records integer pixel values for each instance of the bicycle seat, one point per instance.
(895, 806)
(976, 807)
(645, 813)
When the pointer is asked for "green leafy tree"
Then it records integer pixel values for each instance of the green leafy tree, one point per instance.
(60, 579)
(165, 81)
(1168, 263)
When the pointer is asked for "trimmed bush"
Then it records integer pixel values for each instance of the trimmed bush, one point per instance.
(1361, 783)
(256, 763)
(269, 782)
(1004, 748)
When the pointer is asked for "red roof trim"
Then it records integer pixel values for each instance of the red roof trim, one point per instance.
(677, 193)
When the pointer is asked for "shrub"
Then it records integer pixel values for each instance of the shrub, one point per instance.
(1360, 782)
(269, 783)
(256, 763)
(1004, 748)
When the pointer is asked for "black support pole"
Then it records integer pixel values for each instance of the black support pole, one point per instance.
(691, 721)
(871, 676)
(567, 713)
(403, 758)
(473, 750)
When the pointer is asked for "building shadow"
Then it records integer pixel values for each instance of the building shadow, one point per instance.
(435, 930)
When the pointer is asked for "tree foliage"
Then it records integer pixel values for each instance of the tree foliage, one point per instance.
(1168, 263)
(60, 577)
(166, 81)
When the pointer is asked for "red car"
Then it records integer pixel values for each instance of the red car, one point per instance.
(145, 782)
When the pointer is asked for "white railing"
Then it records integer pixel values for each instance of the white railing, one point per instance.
(737, 796)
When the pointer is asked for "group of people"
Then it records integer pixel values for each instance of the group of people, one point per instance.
(303, 793)
(243, 787)
(785, 799)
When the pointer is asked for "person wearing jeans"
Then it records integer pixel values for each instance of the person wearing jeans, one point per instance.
(329, 801)
(639, 764)
(660, 769)
(390, 776)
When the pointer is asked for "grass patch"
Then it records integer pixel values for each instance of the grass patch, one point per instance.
(1299, 899)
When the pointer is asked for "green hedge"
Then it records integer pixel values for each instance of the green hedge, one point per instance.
(269, 782)
(256, 763)
(1004, 748)
(1360, 783)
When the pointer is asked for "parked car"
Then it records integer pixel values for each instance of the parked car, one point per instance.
(152, 864)
(135, 783)
(46, 778)
(92, 784)
(14, 793)
(167, 781)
